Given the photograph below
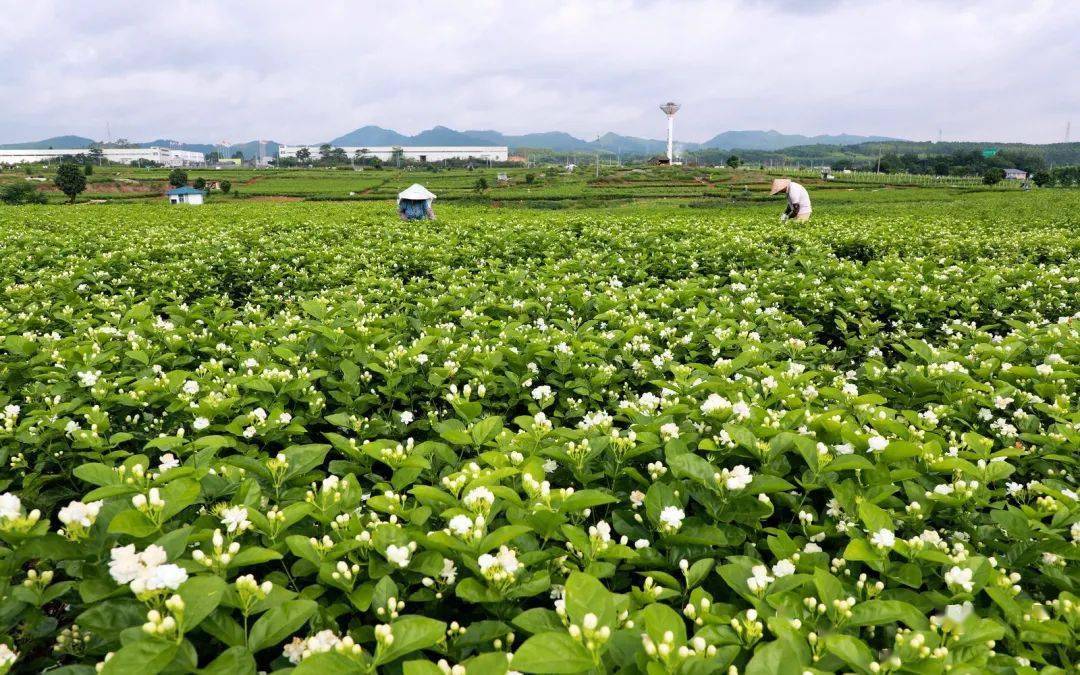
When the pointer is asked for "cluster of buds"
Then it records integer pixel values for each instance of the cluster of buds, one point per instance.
(135, 476)
(392, 610)
(911, 646)
(251, 592)
(384, 634)
(696, 612)
(444, 666)
(278, 467)
(749, 628)
(590, 633)
(344, 573)
(600, 536)
(579, 451)
(656, 470)
(539, 491)
(150, 504)
(36, 582)
(329, 494)
(275, 519)
(622, 445)
(650, 587)
(222, 555)
(320, 643)
(397, 455)
(72, 640)
(868, 589)
(166, 625)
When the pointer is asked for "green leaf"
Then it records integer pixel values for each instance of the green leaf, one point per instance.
(411, 633)
(851, 650)
(202, 595)
(280, 622)
(585, 595)
(554, 652)
(585, 499)
(145, 657)
(486, 429)
(132, 523)
(775, 658)
(232, 661)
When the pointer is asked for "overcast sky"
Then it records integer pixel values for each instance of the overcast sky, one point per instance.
(308, 70)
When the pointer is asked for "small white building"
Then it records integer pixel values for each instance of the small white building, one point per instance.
(1015, 174)
(185, 195)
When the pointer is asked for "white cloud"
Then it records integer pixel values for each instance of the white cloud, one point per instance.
(305, 72)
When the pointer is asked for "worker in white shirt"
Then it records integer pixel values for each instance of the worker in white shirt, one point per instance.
(798, 199)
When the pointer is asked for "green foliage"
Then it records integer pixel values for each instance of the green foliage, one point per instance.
(70, 179)
(632, 440)
(199, 183)
(21, 192)
(225, 186)
(178, 178)
(993, 176)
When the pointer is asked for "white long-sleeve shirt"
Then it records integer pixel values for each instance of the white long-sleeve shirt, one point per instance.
(797, 194)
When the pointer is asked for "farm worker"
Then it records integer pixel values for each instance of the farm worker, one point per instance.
(414, 203)
(798, 199)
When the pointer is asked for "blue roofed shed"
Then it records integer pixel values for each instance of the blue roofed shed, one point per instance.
(185, 195)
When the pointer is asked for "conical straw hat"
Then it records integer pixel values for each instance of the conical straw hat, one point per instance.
(779, 185)
(416, 191)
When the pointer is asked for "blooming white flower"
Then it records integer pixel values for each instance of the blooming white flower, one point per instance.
(89, 378)
(168, 576)
(759, 579)
(877, 443)
(542, 392)
(323, 641)
(200, 423)
(844, 449)
(191, 387)
(550, 466)
(168, 461)
(783, 568)
(79, 513)
(399, 555)
(10, 506)
(883, 538)
(671, 517)
(479, 499)
(234, 518)
(7, 656)
(737, 478)
(407, 417)
(957, 614)
(294, 651)
(961, 577)
(125, 564)
(714, 403)
(461, 525)
(669, 431)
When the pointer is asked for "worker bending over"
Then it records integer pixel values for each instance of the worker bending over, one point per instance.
(798, 199)
(414, 203)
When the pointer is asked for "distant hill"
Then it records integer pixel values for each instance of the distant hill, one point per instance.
(370, 136)
(774, 140)
(54, 143)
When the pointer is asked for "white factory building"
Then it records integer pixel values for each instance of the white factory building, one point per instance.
(495, 153)
(163, 156)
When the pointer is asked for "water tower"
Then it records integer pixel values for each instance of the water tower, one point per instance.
(670, 108)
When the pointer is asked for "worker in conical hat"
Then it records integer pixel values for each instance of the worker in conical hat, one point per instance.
(798, 199)
(414, 203)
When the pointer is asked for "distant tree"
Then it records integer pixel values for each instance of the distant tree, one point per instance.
(21, 193)
(338, 156)
(225, 186)
(481, 184)
(96, 155)
(303, 155)
(200, 183)
(239, 154)
(993, 176)
(324, 152)
(733, 162)
(213, 157)
(178, 178)
(88, 169)
(1042, 178)
(530, 178)
(358, 157)
(71, 180)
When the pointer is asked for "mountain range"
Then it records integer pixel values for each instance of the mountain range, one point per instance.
(558, 141)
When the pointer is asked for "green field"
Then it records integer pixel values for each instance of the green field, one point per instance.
(633, 425)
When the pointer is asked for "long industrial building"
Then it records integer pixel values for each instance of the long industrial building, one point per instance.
(495, 153)
(163, 156)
